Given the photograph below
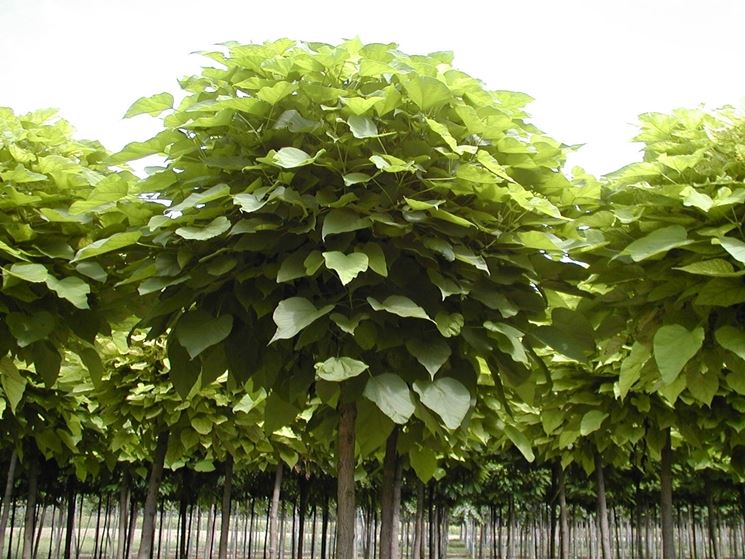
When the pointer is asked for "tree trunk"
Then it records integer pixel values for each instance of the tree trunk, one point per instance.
(302, 506)
(711, 522)
(324, 525)
(7, 498)
(602, 507)
(274, 515)
(222, 550)
(419, 523)
(563, 516)
(183, 509)
(396, 527)
(345, 499)
(123, 515)
(666, 504)
(151, 501)
(387, 496)
(29, 522)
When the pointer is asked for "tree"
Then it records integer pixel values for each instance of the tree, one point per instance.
(360, 212)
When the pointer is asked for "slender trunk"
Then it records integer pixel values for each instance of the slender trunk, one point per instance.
(324, 525)
(7, 498)
(419, 523)
(431, 548)
(97, 533)
(345, 500)
(151, 501)
(563, 516)
(510, 527)
(123, 515)
(211, 521)
(602, 507)
(29, 522)
(183, 507)
(222, 550)
(251, 527)
(70, 521)
(711, 522)
(39, 530)
(387, 496)
(302, 506)
(395, 529)
(274, 515)
(313, 534)
(666, 504)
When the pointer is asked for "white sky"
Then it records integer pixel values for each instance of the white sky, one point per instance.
(591, 65)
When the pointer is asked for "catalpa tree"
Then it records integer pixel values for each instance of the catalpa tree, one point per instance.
(346, 221)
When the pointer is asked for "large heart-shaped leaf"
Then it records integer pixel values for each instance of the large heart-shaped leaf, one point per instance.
(400, 306)
(658, 242)
(447, 397)
(432, 353)
(392, 395)
(294, 314)
(337, 369)
(674, 345)
(346, 266)
(197, 330)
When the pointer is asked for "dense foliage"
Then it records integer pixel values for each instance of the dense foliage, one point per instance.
(350, 227)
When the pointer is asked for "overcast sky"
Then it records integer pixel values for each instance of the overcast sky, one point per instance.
(592, 66)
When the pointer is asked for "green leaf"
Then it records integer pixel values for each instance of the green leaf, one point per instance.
(702, 385)
(447, 397)
(428, 93)
(249, 202)
(92, 270)
(216, 227)
(658, 242)
(732, 339)
(722, 292)
(338, 369)
(362, 127)
(204, 466)
(71, 288)
(449, 324)
(400, 306)
(273, 94)
(432, 353)
(14, 385)
(343, 221)
(47, 361)
(376, 258)
(631, 367)
(674, 346)
(294, 314)
(716, 267)
(291, 158)
(184, 371)
(202, 424)
(520, 441)
(591, 422)
(197, 330)
(570, 334)
(34, 273)
(392, 395)
(735, 247)
(92, 361)
(424, 462)
(30, 328)
(197, 199)
(109, 244)
(346, 266)
(355, 178)
(345, 324)
(292, 267)
(153, 105)
(278, 413)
